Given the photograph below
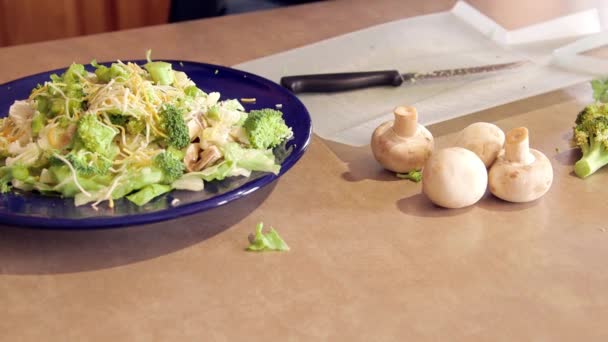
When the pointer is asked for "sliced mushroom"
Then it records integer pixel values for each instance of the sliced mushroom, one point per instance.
(191, 156)
(208, 157)
(196, 160)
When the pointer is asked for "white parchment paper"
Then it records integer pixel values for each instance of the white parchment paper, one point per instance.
(458, 38)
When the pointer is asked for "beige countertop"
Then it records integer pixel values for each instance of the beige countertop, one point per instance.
(371, 258)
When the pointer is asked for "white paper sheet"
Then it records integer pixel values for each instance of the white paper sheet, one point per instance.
(458, 38)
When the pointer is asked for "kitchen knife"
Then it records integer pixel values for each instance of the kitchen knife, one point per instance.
(324, 83)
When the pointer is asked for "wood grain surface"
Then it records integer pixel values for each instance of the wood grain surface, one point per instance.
(28, 21)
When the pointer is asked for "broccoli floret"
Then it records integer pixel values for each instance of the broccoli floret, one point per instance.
(87, 163)
(266, 128)
(118, 119)
(132, 125)
(69, 85)
(171, 166)
(73, 87)
(591, 135)
(172, 122)
(95, 136)
(105, 74)
(135, 126)
(74, 73)
(591, 112)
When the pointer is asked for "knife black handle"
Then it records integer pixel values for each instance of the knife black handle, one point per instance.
(341, 81)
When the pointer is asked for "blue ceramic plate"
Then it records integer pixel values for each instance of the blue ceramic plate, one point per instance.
(32, 209)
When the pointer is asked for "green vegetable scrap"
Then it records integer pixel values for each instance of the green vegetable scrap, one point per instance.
(591, 133)
(270, 241)
(414, 176)
(600, 90)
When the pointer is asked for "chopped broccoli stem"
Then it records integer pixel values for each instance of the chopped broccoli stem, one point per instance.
(595, 158)
(591, 136)
(160, 72)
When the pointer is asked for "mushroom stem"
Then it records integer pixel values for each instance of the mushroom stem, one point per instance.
(406, 121)
(517, 146)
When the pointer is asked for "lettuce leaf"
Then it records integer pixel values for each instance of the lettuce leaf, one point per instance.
(270, 241)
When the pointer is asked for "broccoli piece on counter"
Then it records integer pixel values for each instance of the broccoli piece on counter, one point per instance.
(270, 241)
(591, 136)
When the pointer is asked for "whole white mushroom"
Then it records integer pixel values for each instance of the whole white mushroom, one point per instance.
(482, 138)
(454, 177)
(520, 174)
(402, 145)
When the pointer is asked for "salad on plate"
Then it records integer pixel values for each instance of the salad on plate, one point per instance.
(134, 131)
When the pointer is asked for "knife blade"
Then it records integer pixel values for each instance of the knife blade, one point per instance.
(335, 82)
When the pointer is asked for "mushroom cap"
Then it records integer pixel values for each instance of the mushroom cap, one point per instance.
(401, 154)
(518, 182)
(482, 138)
(454, 177)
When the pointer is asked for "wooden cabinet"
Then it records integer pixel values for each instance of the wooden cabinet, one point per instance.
(26, 21)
